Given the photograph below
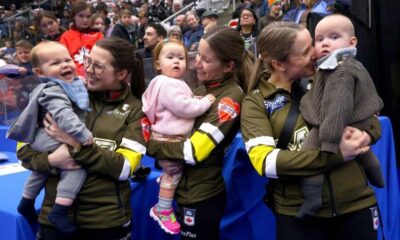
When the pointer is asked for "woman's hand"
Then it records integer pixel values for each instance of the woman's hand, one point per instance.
(57, 133)
(61, 159)
(353, 143)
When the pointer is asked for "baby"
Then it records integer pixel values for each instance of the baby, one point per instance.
(171, 108)
(343, 94)
(65, 97)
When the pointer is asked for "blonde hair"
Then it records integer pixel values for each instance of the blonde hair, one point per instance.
(274, 43)
(35, 56)
(160, 46)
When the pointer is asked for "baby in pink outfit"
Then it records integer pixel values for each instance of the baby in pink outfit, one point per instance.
(171, 109)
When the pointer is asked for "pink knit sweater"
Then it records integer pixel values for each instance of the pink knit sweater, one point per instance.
(170, 106)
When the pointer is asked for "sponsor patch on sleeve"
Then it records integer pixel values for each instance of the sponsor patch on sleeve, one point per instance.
(228, 109)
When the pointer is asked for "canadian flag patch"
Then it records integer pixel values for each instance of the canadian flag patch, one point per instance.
(146, 128)
(189, 216)
(227, 109)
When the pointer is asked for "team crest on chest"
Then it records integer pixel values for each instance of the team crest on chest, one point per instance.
(227, 109)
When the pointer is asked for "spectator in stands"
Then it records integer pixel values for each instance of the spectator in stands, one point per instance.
(103, 205)
(97, 22)
(275, 14)
(176, 5)
(141, 30)
(209, 20)
(349, 205)
(153, 35)
(201, 193)
(192, 37)
(124, 28)
(180, 21)
(157, 11)
(259, 7)
(175, 32)
(49, 26)
(248, 28)
(65, 21)
(23, 58)
(80, 38)
(7, 52)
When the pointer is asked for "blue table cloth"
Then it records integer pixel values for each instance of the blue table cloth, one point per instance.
(246, 216)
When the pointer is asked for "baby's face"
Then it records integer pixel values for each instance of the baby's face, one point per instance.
(172, 60)
(56, 62)
(331, 34)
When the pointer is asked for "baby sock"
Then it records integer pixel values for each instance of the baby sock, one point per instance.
(164, 203)
(59, 217)
(27, 209)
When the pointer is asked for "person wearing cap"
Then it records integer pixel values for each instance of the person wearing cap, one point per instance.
(209, 20)
(275, 14)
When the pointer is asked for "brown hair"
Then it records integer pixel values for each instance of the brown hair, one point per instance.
(125, 58)
(274, 43)
(235, 51)
(77, 7)
(161, 44)
(93, 19)
(47, 14)
(24, 44)
(35, 58)
(124, 12)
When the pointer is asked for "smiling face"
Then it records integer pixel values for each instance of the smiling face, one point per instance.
(333, 32)
(300, 61)
(172, 60)
(207, 64)
(100, 73)
(55, 61)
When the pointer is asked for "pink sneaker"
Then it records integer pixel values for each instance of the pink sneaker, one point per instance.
(166, 219)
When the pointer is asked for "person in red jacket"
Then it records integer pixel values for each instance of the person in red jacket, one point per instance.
(80, 38)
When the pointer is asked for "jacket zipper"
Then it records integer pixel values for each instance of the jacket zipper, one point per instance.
(332, 196)
(97, 116)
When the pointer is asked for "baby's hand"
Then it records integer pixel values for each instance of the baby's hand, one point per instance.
(210, 97)
(88, 142)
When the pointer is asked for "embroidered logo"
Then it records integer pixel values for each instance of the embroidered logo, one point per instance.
(106, 143)
(78, 57)
(146, 128)
(123, 113)
(272, 105)
(189, 216)
(375, 217)
(227, 109)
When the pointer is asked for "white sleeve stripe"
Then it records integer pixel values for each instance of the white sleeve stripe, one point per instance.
(213, 131)
(264, 140)
(188, 153)
(126, 171)
(133, 145)
(270, 164)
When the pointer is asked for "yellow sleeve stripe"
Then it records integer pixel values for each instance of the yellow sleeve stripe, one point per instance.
(20, 145)
(257, 157)
(132, 157)
(202, 144)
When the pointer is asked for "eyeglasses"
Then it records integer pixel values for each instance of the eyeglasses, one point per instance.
(247, 15)
(97, 67)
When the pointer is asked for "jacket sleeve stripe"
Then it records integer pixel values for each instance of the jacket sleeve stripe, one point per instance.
(257, 157)
(213, 131)
(132, 157)
(264, 140)
(270, 164)
(202, 145)
(133, 145)
(20, 145)
(188, 152)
